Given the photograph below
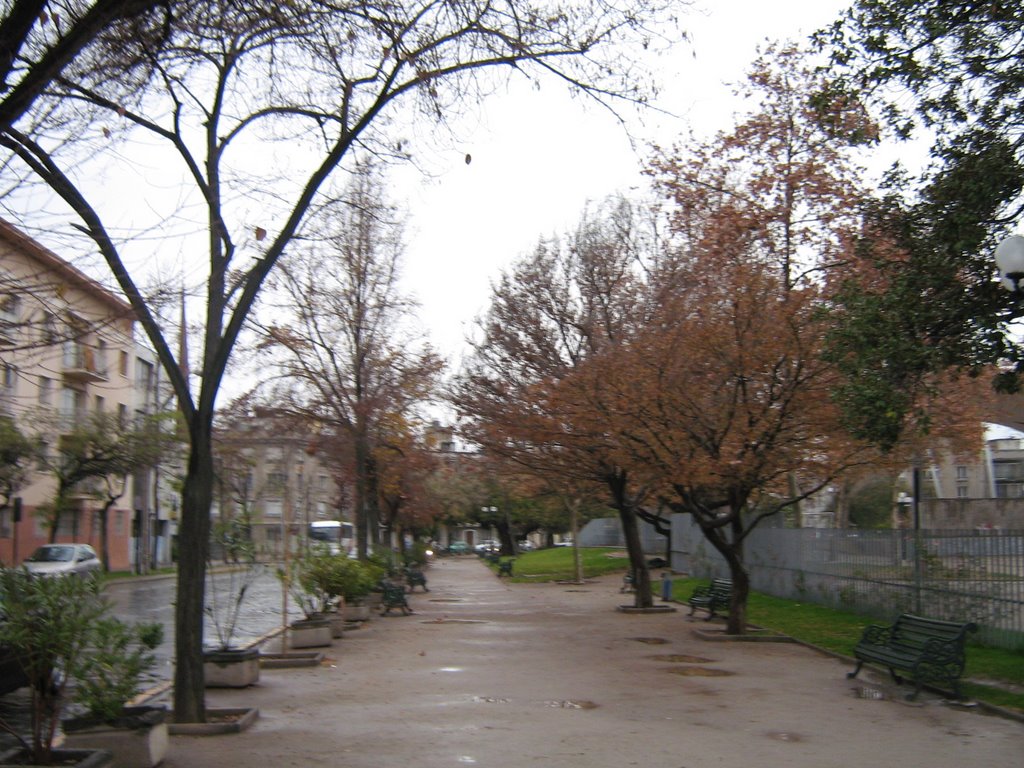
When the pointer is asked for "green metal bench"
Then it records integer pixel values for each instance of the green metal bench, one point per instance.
(393, 596)
(415, 578)
(711, 598)
(931, 650)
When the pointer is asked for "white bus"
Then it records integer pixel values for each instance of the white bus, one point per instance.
(339, 536)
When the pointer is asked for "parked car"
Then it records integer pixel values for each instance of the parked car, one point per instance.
(487, 545)
(525, 545)
(458, 548)
(64, 560)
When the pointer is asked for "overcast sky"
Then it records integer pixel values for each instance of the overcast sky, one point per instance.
(539, 157)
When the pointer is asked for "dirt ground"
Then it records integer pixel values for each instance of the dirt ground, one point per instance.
(489, 673)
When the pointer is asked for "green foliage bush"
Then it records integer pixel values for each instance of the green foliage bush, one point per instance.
(60, 630)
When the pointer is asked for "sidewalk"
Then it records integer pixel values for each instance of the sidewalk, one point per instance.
(489, 673)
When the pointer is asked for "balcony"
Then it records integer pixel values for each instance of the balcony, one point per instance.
(82, 365)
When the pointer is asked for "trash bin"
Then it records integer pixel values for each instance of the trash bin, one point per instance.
(666, 586)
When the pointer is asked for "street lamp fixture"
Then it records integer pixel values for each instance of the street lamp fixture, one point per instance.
(1010, 262)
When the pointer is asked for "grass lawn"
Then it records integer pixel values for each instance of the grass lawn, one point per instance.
(833, 630)
(556, 563)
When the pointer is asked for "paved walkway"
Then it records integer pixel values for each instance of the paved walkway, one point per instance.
(489, 673)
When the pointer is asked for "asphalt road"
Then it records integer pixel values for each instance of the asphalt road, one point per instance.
(151, 599)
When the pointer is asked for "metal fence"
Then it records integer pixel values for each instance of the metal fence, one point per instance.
(957, 575)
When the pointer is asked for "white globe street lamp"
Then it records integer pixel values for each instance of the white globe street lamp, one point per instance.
(1010, 262)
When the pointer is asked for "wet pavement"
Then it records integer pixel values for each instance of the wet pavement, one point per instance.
(490, 673)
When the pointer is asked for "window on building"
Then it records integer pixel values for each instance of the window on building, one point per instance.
(122, 414)
(961, 491)
(123, 363)
(100, 361)
(101, 404)
(73, 407)
(8, 378)
(45, 391)
(10, 307)
(1007, 470)
(961, 472)
(48, 329)
(144, 379)
(275, 483)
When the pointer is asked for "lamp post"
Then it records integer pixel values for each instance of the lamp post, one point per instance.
(903, 502)
(1010, 262)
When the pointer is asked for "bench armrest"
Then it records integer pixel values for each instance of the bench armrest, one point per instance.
(943, 651)
(876, 634)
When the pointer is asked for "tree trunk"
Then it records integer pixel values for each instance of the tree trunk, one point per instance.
(194, 541)
(730, 545)
(359, 503)
(574, 526)
(638, 564)
(104, 536)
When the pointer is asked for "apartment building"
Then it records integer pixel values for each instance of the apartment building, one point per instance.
(271, 481)
(66, 351)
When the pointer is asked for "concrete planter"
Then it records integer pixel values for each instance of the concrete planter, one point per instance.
(68, 758)
(232, 668)
(337, 621)
(309, 633)
(220, 720)
(139, 740)
(352, 612)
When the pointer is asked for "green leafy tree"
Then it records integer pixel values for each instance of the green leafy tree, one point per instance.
(66, 642)
(922, 299)
(18, 452)
(96, 456)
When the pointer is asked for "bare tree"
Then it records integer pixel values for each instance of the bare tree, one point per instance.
(245, 111)
(337, 341)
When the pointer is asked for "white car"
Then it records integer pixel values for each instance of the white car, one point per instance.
(63, 560)
(488, 545)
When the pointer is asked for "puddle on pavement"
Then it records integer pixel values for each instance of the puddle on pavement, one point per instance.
(571, 704)
(784, 736)
(490, 700)
(681, 658)
(699, 672)
(651, 640)
(867, 692)
(451, 669)
(467, 759)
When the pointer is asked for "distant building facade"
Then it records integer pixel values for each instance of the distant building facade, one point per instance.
(272, 483)
(67, 351)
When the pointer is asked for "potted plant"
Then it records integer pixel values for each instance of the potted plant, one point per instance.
(225, 664)
(356, 583)
(50, 624)
(108, 677)
(303, 578)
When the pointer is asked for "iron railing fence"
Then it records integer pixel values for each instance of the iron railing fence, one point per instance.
(956, 575)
